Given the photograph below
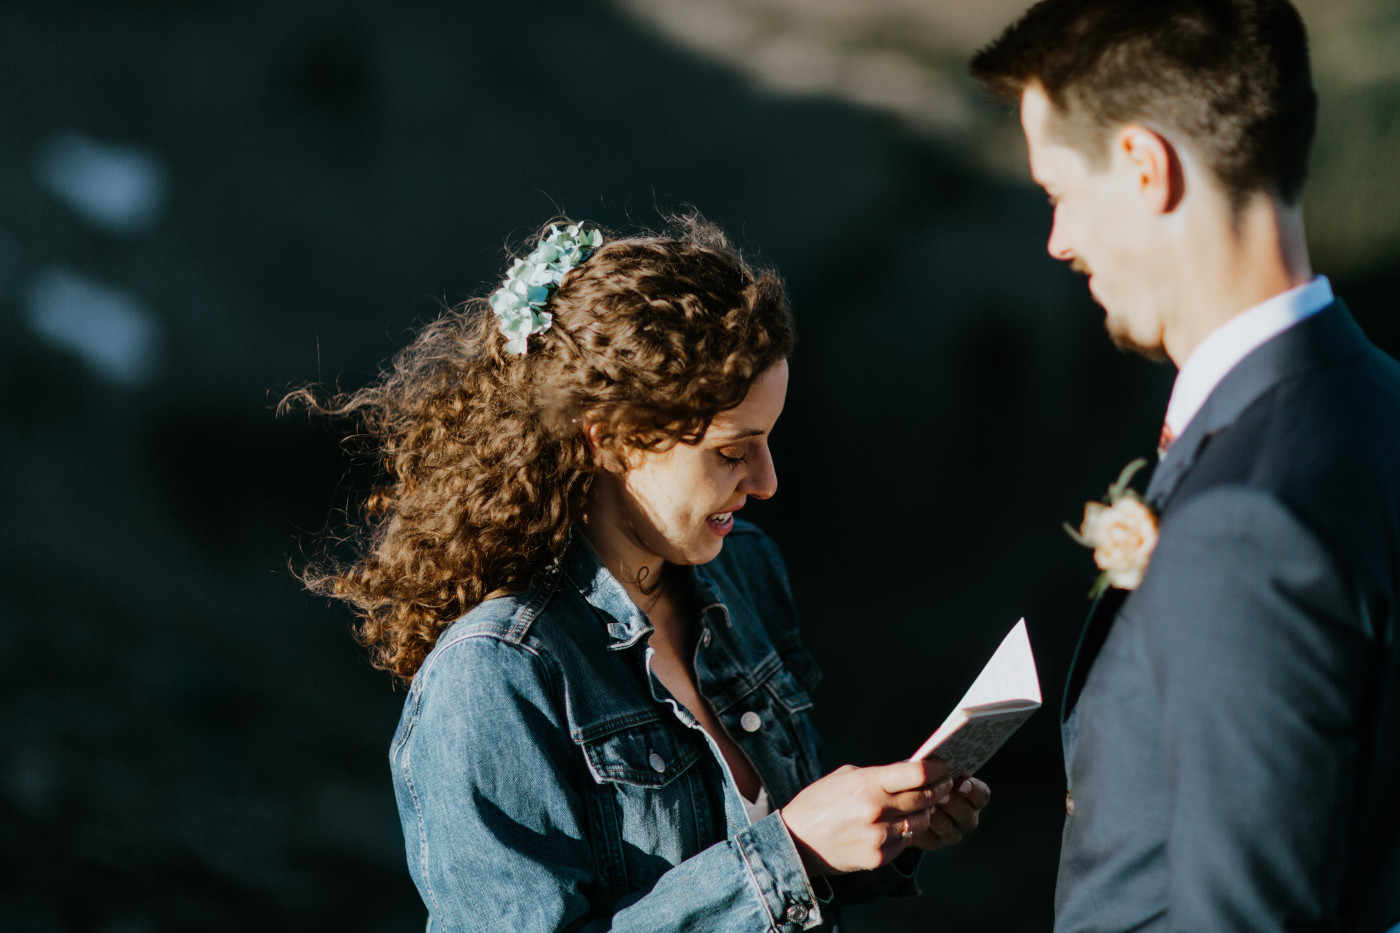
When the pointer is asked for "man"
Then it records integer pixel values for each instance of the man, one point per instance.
(1231, 724)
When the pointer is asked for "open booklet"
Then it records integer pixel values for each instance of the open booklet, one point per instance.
(1001, 698)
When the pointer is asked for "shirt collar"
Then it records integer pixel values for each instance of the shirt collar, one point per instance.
(1234, 340)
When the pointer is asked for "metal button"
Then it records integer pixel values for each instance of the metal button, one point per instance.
(658, 764)
(705, 637)
(751, 721)
(796, 913)
(1069, 804)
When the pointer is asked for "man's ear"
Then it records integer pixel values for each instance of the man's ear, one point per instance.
(1155, 166)
(604, 454)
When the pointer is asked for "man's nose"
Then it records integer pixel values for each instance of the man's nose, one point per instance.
(1058, 244)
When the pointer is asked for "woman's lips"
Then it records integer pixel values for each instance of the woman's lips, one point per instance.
(720, 523)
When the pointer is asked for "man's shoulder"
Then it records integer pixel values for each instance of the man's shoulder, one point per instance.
(1345, 410)
(1327, 361)
(1316, 458)
(1329, 420)
(1350, 370)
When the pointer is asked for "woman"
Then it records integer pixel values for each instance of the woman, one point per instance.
(607, 720)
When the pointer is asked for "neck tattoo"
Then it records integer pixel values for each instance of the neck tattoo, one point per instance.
(654, 594)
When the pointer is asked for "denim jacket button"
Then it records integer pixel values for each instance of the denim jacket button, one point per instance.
(751, 721)
(796, 913)
(658, 764)
(705, 637)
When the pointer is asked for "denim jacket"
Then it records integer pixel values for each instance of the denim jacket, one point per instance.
(547, 781)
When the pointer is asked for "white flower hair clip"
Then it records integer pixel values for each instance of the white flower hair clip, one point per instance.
(519, 303)
(1122, 533)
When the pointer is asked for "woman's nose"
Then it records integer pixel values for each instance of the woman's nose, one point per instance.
(762, 479)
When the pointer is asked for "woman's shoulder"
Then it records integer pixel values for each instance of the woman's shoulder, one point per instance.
(478, 686)
(488, 633)
(536, 628)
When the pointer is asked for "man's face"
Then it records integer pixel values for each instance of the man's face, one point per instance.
(1097, 225)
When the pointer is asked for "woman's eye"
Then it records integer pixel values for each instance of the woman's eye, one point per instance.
(734, 459)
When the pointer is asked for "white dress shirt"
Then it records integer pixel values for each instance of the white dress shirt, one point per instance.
(1233, 341)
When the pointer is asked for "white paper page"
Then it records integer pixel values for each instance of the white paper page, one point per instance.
(1008, 675)
(1008, 680)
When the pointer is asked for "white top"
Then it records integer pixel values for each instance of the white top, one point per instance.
(759, 808)
(1233, 341)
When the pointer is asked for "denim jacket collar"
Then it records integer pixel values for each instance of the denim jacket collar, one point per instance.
(581, 564)
(627, 624)
(707, 594)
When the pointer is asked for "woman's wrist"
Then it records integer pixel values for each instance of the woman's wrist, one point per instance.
(814, 865)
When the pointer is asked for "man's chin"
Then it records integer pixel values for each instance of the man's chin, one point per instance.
(1124, 340)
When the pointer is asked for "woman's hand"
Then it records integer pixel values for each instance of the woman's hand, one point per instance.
(856, 818)
(949, 821)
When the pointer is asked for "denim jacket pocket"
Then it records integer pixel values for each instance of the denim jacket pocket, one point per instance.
(786, 688)
(772, 723)
(646, 753)
(649, 799)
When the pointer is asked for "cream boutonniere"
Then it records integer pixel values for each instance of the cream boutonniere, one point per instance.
(1122, 533)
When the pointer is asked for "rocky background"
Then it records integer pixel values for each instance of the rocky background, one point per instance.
(203, 205)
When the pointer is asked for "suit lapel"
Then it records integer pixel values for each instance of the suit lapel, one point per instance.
(1091, 639)
(1181, 456)
(1323, 339)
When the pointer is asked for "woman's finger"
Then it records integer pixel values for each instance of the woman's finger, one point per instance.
(902, 831)
(965, 807)
(916, 801)
(960, 813)
(910, 775)
(937, 830)
(942, 824)
(974, 791)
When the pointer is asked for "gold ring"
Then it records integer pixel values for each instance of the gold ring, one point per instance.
(906, 833)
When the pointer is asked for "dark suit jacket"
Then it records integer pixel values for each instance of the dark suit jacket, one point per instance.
(1232, 726)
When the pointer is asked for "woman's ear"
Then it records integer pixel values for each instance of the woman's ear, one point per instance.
(605, 454)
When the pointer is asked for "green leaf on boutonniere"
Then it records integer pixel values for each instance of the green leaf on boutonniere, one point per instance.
(1101, 585)
(1119, 488)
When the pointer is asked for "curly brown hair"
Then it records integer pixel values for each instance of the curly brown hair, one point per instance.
(485, 460)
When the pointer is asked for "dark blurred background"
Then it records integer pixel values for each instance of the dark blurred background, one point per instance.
(204, 204)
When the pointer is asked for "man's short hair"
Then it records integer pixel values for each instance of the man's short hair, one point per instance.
(1231, 77)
